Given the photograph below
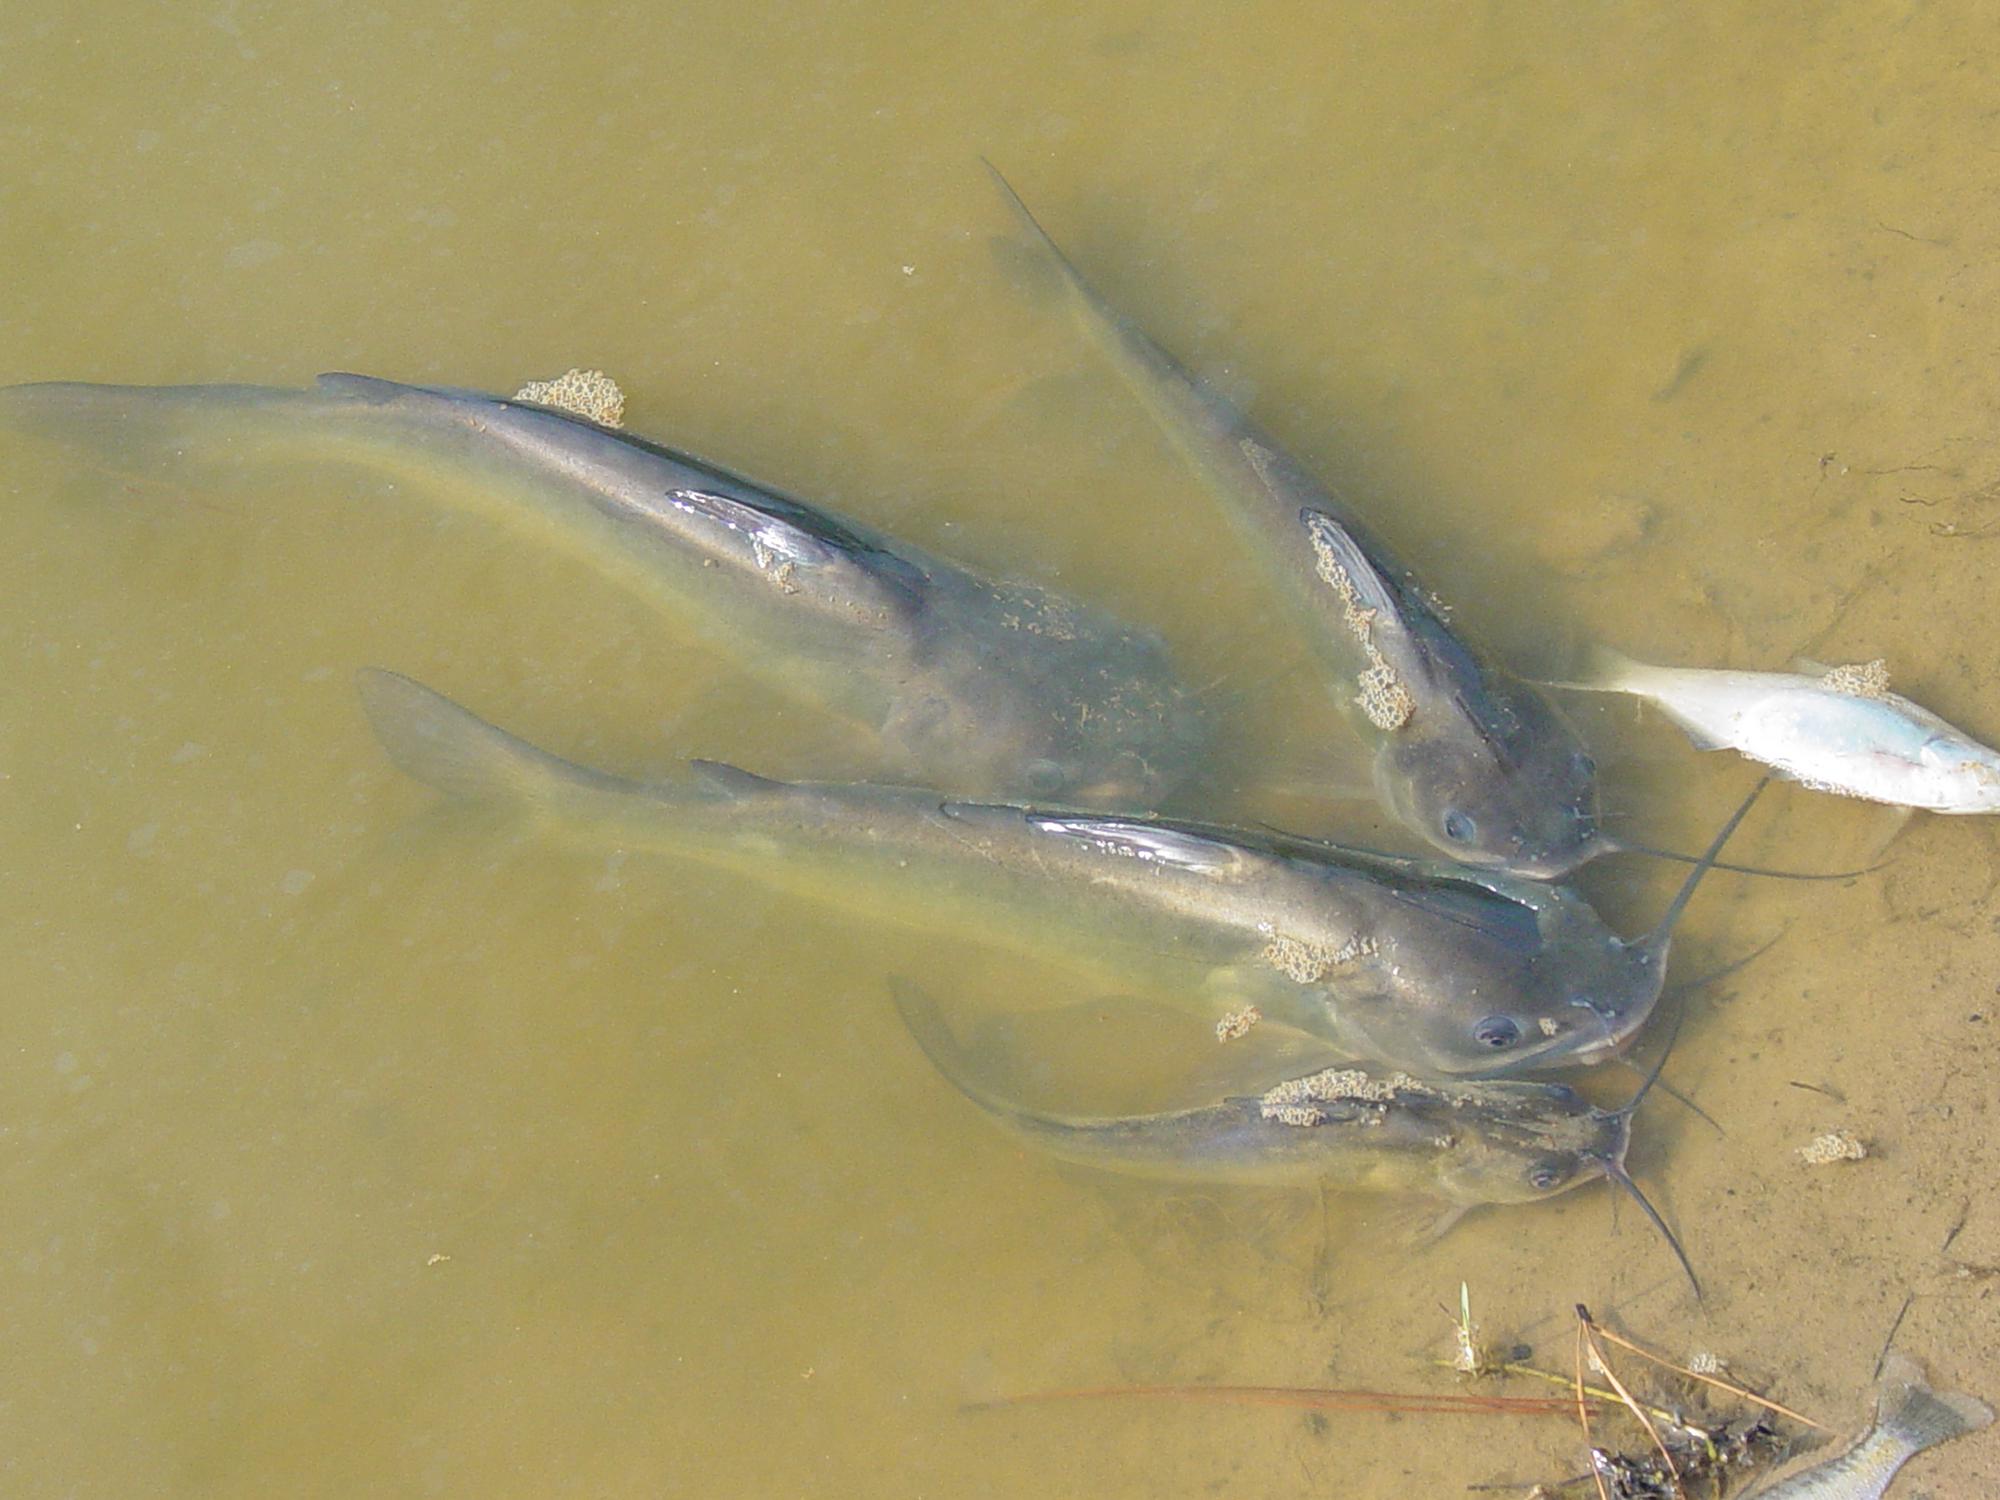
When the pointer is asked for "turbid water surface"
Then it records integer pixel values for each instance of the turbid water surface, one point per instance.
(354, 1145)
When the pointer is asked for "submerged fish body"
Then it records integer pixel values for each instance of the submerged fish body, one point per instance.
(1474, 761)
(1426, 967)
(1367, 1128)
(980, 686)
(1839, 731)
(1909, 1417)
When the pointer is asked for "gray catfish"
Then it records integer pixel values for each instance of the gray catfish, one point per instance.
(1369, 1128)
(1425, 966)
(1909, 1417)
(1478, 763)
(983, 687)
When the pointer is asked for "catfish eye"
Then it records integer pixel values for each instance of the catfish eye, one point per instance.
(1459, 828)
(1544, 1176)
(1496, 1032)
(1584, 766)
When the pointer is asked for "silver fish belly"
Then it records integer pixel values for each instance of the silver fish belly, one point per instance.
(1840, 730)
(975, 685)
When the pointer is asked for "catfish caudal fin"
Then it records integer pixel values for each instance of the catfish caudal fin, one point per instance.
(451, 748)
(1911, 1414)
(134, 429)
(1044, 264)
(1603, 670)
(1160, 380)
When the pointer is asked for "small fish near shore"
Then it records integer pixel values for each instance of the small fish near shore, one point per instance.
(1836, 730)
(1909, 1417)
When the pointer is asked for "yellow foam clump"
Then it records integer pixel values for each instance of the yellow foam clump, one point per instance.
(590, 394)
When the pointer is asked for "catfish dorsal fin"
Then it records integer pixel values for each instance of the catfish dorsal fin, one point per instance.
(718, 776)
(1344, 565)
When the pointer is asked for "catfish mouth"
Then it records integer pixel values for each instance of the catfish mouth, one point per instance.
(1566, 842)
(1555, 854)
(1606, 1033)
(1560, 861)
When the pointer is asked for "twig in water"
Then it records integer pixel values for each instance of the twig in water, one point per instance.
(1597, 1355)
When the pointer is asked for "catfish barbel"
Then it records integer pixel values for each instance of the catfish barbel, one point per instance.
(979, 686)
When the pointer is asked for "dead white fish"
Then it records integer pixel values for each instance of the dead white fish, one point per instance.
(1838, 730)
(1909, 1417)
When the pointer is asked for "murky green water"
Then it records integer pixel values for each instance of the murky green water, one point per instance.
(351, 1146)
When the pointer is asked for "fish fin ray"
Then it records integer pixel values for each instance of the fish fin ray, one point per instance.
(733, 782)
(1486, 911)
(1603, 670)
(1158, 843)
(799, 551)
(1402, 622)
(1917, 1416)
(448, 747)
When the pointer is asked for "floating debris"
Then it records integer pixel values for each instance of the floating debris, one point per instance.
(1686, 1453)
(1339, 1085)
(590, 394)
(1470, 1357)
(1835, 1145)
(1383, 698)
(1868, 679)
(1237, 1023)
(1307, 963)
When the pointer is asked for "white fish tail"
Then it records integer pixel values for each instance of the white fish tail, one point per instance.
(1605, 671)
(1917, 1417)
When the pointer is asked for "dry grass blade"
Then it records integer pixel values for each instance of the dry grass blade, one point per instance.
(1583, 1417)
(1315, 1398)
(1589, 1329)
(1719, 1384)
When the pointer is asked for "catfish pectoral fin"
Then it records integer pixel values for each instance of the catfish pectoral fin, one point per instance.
(932, 1034)
(1419, 1225)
